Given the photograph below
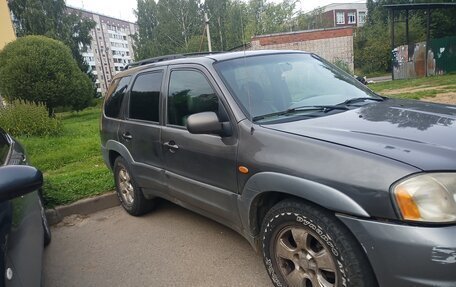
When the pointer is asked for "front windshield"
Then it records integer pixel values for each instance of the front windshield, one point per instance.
(269, 84)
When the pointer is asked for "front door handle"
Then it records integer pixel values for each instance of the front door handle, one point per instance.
(172, 146)
(127, 136)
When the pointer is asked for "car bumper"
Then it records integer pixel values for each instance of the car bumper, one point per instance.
(404, 255)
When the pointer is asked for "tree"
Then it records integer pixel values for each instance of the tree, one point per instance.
(49, 18)
(40, 69)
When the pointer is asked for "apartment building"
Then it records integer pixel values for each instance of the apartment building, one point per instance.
(111, 48)
(341, 15)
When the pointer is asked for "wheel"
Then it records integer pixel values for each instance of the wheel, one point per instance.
(305, 246)
(130, 195)
(46, 229)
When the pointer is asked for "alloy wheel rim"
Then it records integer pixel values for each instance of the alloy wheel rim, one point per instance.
(126, 187)
(303, 260)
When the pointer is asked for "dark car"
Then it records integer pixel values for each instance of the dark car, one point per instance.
(333, 184)
(23, 225)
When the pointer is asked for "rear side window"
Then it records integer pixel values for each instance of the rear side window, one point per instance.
(145, 97)
(4, 149)
(189, 93)
(114, 100)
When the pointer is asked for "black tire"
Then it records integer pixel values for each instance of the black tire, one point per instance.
(134, 203)
(320, 248)
(47, 236)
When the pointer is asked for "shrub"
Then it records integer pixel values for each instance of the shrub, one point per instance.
(341, 64)
(28, 119)
(40, 69)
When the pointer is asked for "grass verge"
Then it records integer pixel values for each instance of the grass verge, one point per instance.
(71, 162)
(429, 87)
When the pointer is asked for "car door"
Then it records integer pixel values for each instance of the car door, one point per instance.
(21, 230)
(140, 132)
(200, 168)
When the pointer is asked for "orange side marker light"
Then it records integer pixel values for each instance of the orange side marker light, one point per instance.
(243, 169)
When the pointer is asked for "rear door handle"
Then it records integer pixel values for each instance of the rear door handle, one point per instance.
(172, 146)
(127, 136)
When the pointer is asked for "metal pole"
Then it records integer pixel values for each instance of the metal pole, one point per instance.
(407, 27)
(209, 45)
(428, 28)
(392, 41)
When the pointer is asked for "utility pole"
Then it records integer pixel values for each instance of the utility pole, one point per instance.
(206, 20)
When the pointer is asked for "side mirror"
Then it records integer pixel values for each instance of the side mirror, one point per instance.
(17, 180)
(204, 123)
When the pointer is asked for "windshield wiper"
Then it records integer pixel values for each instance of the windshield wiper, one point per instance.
(362, 99)
(324, 109)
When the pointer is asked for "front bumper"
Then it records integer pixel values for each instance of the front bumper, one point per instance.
(404, 255)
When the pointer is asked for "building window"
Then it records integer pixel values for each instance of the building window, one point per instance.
(340, 18)
(351, 18)
(362, 17)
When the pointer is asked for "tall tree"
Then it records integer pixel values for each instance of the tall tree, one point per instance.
(49, 18)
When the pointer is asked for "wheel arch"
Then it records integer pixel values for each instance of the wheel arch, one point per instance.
(116, 149)
(263, 190)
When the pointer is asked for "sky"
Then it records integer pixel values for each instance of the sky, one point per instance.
(123, 9)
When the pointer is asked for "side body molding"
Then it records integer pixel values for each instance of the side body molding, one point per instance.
(317, 193)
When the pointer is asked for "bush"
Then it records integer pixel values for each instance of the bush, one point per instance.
(341, 64)
(28, 119)
(40, 69)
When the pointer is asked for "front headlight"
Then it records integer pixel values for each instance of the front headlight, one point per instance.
(427, 197)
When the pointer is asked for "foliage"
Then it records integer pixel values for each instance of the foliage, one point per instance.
(341, 64)
(28, 119)
(70, 176)
(232, 23)
(40, 69)
(50, 18)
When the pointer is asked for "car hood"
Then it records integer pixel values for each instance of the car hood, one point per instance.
(418, 133)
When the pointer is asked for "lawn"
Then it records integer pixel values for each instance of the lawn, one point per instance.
(72, 164)
(438, 88)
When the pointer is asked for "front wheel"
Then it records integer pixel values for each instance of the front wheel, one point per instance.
(305, 246)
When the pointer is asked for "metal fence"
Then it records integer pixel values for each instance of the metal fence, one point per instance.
(409, 61)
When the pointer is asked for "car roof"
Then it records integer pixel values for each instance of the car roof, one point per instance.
(198, 58)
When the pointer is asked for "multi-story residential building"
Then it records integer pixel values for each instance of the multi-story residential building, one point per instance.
(340, 15)
(111, 48)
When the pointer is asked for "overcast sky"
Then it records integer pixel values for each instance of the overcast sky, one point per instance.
(123, 9)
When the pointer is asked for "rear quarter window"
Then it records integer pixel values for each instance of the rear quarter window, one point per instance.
(115, 97)
(4, 149)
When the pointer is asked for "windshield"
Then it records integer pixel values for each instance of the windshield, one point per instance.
(270, 84)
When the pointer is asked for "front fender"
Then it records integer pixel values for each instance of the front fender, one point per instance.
(317, 193)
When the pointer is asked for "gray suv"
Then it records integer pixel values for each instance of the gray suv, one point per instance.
(333, 184)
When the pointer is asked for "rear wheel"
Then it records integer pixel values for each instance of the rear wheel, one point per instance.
(305, 246)
(130, 195)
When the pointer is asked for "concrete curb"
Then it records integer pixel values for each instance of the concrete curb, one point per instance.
(83, 207)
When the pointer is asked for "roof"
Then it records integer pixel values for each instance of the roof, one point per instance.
(417, 6)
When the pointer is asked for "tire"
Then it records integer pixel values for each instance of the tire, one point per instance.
(130, 195)
(47, 236)
(304, 245)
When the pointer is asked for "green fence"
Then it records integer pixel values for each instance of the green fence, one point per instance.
(444, 50)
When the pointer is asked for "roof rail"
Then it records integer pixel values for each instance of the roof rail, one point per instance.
(166, 58)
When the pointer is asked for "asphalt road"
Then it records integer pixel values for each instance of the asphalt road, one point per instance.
(168, 247)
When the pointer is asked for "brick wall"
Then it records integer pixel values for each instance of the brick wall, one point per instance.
(331, 44)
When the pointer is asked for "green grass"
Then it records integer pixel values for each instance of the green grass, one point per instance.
(417, 88)
(71, 162)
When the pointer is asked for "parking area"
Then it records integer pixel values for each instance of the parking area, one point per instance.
(168, 247)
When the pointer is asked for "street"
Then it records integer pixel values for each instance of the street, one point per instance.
(168, 247)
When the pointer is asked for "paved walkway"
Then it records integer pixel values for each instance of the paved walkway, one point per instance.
(168, 247)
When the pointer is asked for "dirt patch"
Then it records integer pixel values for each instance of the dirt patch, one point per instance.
(413, 90)
(75, 219)
(443, 98)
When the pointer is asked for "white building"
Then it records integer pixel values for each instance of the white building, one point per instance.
(111, 48)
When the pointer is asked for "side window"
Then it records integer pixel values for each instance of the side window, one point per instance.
(114, 100)
(189, 93)
(145, 97)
